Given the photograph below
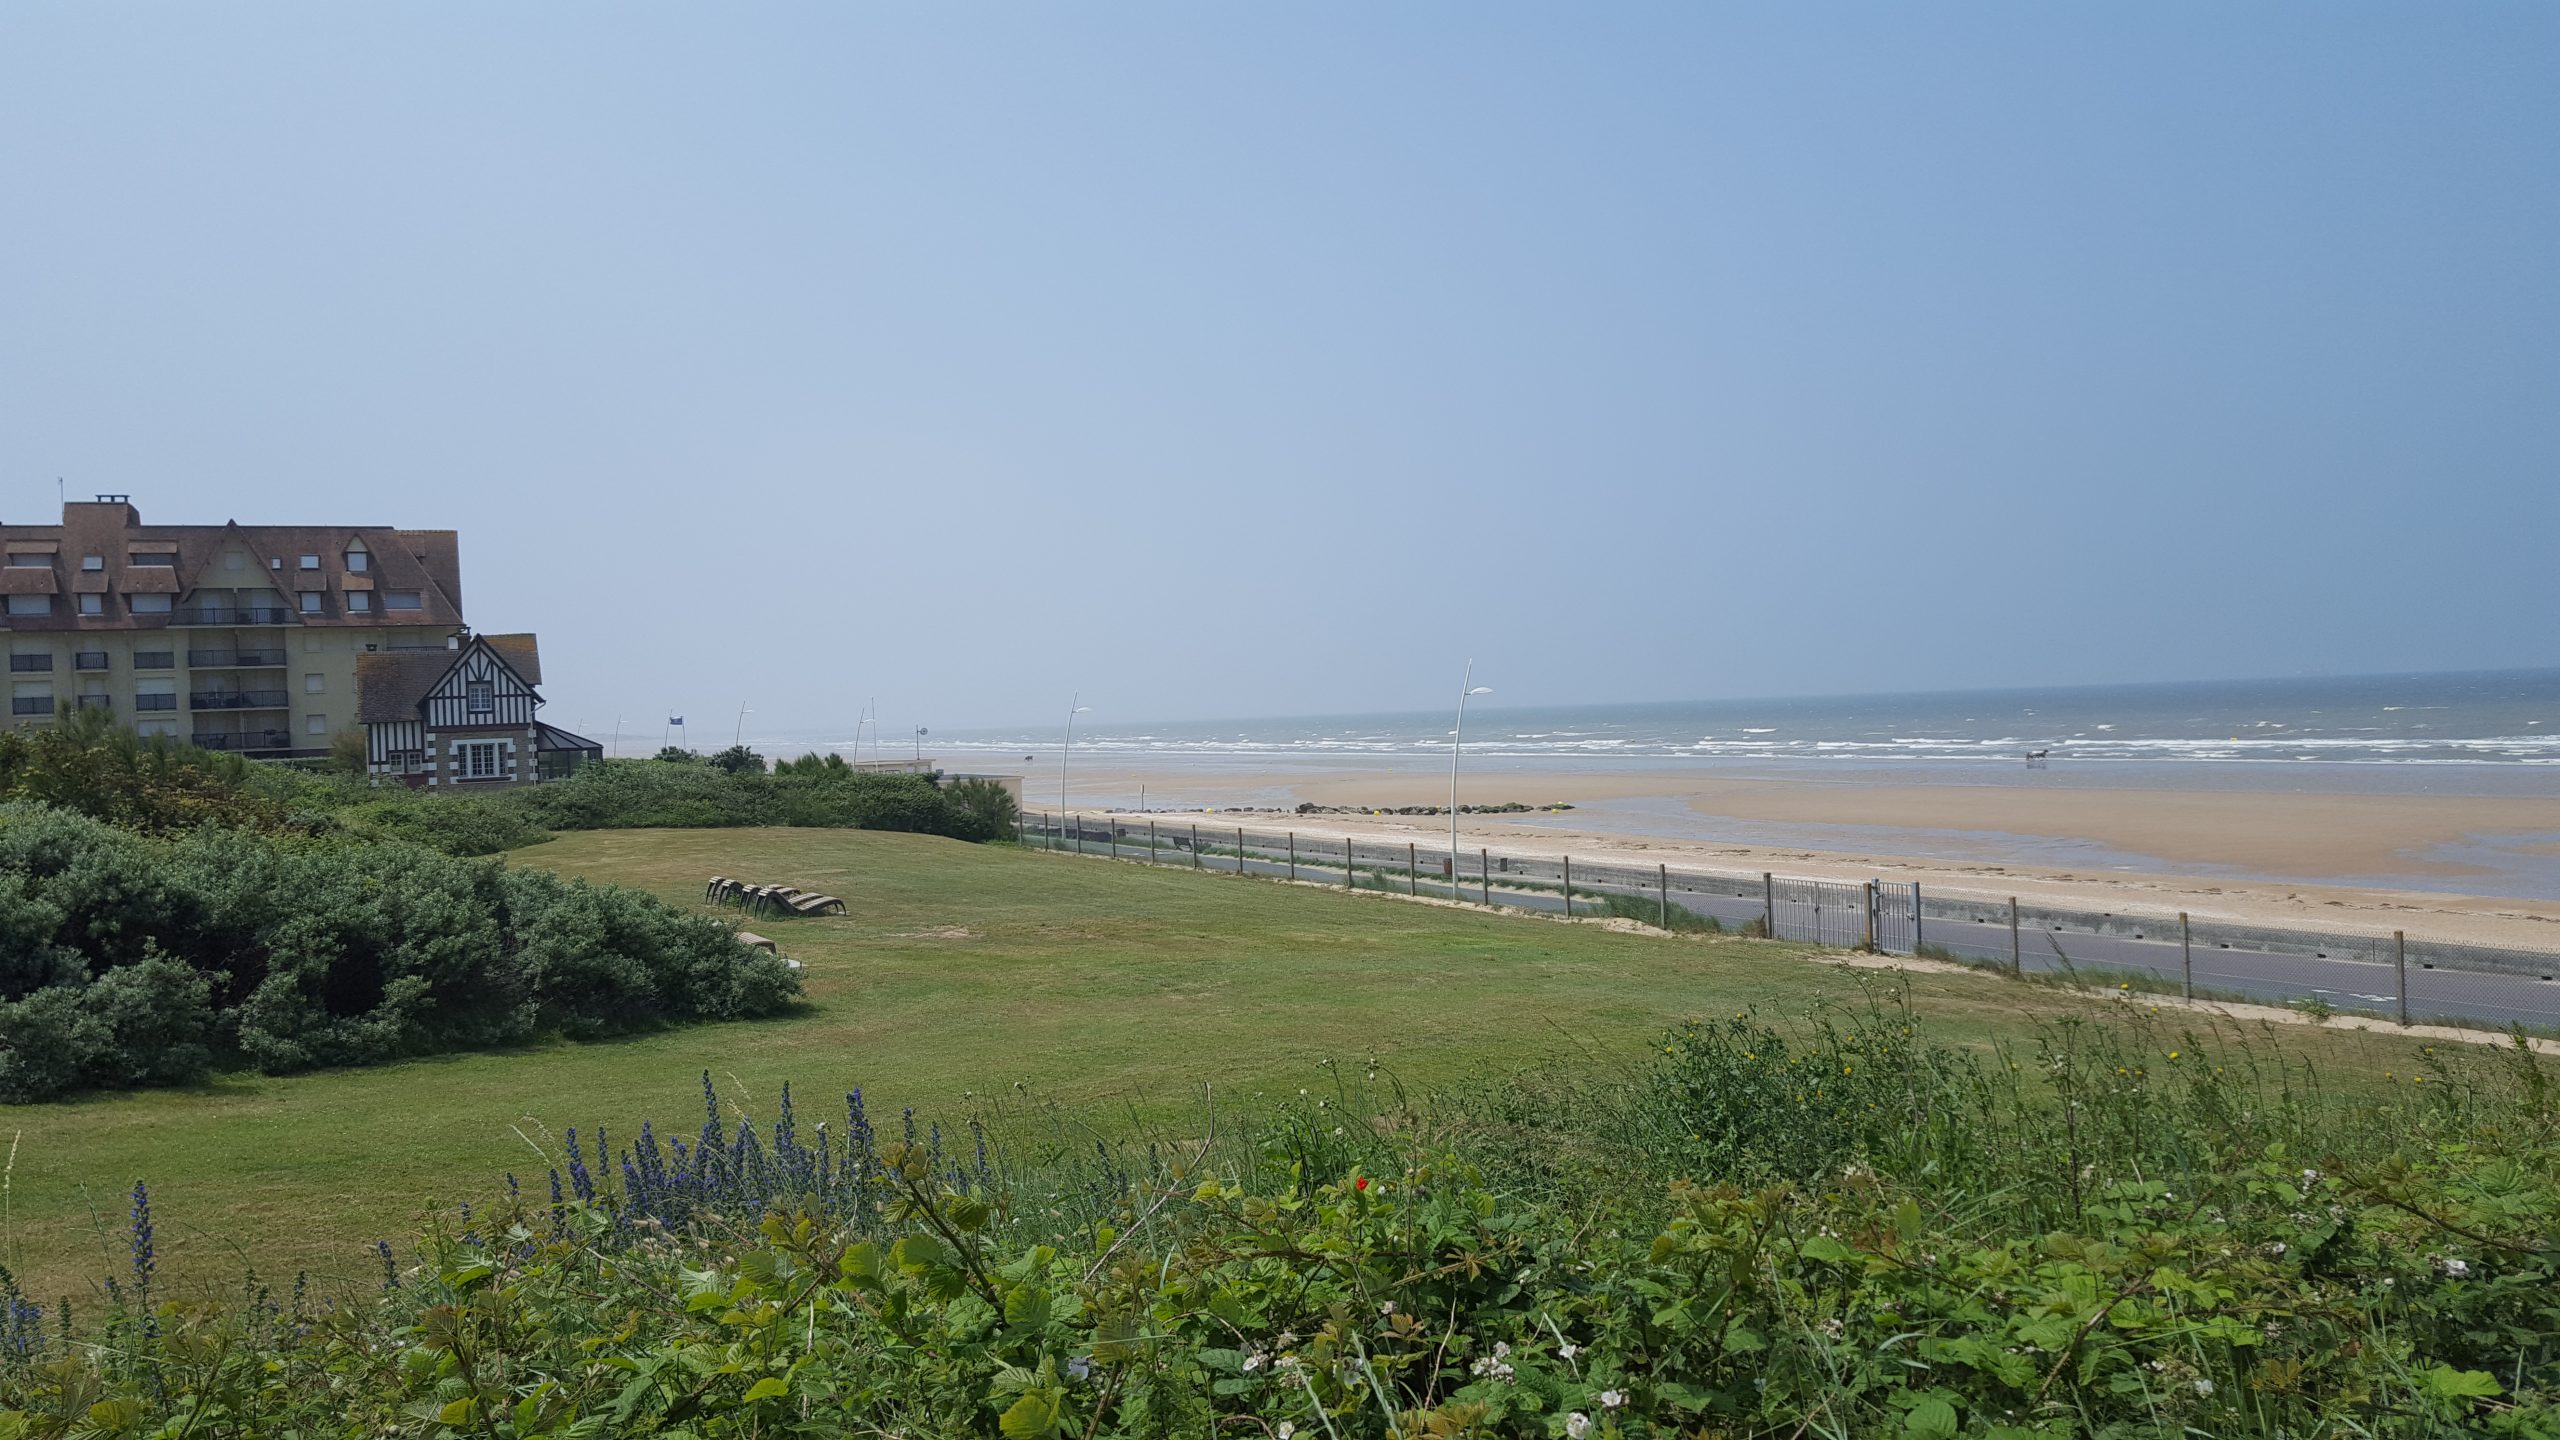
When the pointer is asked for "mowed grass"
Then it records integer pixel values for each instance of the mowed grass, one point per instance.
(961, 973)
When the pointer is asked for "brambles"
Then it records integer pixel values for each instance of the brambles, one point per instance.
(1356, 1269)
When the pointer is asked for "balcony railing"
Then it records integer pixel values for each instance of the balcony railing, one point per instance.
(155, 702)
(236, 700)
(155, 659)
(24, 664)
(245, 740)
(89, 660)
(236, 659)
(223, 615)
(30, 704)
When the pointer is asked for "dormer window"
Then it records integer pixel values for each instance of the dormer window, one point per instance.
(310, 562)
(358, 561)
(310, 602)
(400, 600)
(27, 560)
(359, 602)
(93, 562)
(156, 557)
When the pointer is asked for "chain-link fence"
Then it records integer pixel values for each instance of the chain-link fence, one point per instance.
(2405, 978)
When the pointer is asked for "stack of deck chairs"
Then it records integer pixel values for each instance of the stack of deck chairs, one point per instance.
(770, 899)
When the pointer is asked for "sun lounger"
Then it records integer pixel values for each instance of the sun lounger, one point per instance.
(807, 904)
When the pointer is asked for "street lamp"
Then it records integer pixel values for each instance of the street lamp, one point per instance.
(1069, 751)
(740, 737)
(1465, 689)
(920, 734)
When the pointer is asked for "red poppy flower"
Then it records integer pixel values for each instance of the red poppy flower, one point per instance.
(1360, 1184)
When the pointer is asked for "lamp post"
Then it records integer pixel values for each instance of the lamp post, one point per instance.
(1068, 752)
(1456, 736)
(920, 734)
(740, 737)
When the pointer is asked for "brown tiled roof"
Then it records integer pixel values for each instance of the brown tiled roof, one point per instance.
(427, 561)
(391, 684)
(523, 654)
(28, 580)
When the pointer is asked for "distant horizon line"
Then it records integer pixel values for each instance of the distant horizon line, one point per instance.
(1495, 703)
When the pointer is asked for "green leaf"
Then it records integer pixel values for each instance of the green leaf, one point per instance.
(1823, 1247)
(1907, 1224)
(1930, 1418)
(1027, 1308)
(2447, 1383)
(455, 1413)
(1033, 1417)
(767, 1388)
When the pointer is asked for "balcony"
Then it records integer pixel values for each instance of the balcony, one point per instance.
(155, 702)
(237, 700)
(89, 660)
(245, 740)
(28, 664)
(155, 659)
(236, 659)
(223, 615)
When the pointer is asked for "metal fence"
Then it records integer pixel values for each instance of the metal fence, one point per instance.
(2399, 977)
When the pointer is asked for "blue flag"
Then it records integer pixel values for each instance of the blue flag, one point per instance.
(675, 719)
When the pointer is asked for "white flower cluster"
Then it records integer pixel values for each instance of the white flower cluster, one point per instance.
(2455, 1269)
(1496, 1366)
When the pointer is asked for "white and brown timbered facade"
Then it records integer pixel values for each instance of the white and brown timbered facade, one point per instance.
(461, 717)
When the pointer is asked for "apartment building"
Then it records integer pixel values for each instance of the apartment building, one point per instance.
(237, 637)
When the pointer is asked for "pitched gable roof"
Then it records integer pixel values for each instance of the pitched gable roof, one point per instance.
(392, 684)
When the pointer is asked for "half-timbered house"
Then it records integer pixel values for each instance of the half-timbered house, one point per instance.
(463, 716)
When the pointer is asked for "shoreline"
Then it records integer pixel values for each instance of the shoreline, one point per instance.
(2060, 845)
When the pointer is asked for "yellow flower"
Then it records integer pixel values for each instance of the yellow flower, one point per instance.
(1844, 1069)
(2173, 1054)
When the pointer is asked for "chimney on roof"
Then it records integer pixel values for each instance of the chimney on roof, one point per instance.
(74, 510)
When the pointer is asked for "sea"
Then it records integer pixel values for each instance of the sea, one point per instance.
(2489, 733)
(2493, 722)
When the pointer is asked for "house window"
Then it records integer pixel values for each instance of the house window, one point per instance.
(310, 602)
(316, 725)
(30, 604)
(400, 600)
(31, 661)
(310, 562)
(148, 604)
(480, 697)
(359, 603)
(93, 562)
(357, 560)
(155, 557)
(21, 560)
(314, 684)
(31, 702)
(477, 760)
(93, 604)
(155, 700)
(155, 659)
(90, 660)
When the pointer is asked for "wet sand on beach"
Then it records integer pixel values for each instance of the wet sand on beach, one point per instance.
(2315, 844)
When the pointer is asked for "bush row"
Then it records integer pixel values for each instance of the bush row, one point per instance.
(129, 959)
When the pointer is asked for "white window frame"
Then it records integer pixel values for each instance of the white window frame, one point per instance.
(469, 756)
(479, 697)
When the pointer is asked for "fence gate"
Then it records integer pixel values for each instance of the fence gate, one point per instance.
(1897, 917)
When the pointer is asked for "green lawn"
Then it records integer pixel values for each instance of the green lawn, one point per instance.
(961, 971)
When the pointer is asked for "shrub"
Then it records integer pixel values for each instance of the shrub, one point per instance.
(737, 760)
(1398, 1280)
(132, 960)
(984, 811)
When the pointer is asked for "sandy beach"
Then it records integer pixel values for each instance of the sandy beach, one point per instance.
(2303, 852)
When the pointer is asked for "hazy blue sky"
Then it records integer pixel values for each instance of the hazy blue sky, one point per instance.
(1225, 360)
